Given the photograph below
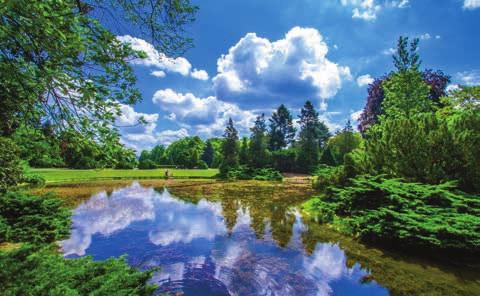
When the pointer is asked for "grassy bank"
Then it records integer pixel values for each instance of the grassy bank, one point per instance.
(69, 175)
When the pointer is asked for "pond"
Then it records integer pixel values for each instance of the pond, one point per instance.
(246, 240)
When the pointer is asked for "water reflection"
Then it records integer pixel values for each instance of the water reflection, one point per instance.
(232, 246)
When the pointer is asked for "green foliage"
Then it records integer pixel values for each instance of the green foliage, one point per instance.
(186, 152)
(328, 176)
(217, 151)
(281, 132)
(38, 146)
(426, 147)
(406, 58)
(284, 160)
(243, 154)
(229, 149)
(10, 168)
(28, 218)
(29, 272)
(208, 154)
(59, 64)
(412, 214)
(327, 157)
(249, 173)
(259, 155)
(339, 145)
(406, 94)
(34, 180)
(313, 136)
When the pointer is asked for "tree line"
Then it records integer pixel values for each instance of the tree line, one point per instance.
(272, 144)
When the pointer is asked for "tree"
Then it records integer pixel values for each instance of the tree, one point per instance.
(186, 152)
(10, 169)
(313, 136)
(38, 147)
(282, 131)
(229, 148)
(244, 154)
(158, 155)
(258, 152)
(406, 94)
(208, 153)
(404, 60)
(345, 141)
(58, 63)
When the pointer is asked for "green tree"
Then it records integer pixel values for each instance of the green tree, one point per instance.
(58, 63)
(313, 136)
(145, 162)
(217, 148)
(345, 141)
(258, 145)
(157, 155)
(10, 169)
(282, 131)
(208, 153)
(38, 147)
(244, 154)
(407, 58)
(186, 152)
(229, 149)
(327, 157)
(406, 94)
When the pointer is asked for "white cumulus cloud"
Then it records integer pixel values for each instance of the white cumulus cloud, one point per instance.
(469, 78)
(368, 9)
(295, 68)
(207, 116)
(364, 80)
(159, 60)
(471, 4)
(199, 74)
(158, 73)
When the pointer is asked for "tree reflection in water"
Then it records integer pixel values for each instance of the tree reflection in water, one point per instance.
(234, 240)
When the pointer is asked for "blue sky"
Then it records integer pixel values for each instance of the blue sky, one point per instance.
(250, 56)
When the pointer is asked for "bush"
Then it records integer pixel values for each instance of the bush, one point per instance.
(327, 176)
(10, 168)
(28, 218)
(26, 272)
(284, 160)
(147, 164)
(202, 165)
(248, 173)
(413, 214)
(34, 180)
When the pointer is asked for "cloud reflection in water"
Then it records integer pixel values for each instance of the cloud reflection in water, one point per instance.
(197, 252)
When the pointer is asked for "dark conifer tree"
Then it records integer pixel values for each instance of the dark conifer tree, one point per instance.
(313, 136)
(258, 150)
(244, 151)
(282, 131)
(208, 154)
(229, 148)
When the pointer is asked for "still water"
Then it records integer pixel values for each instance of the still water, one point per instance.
(228, 244)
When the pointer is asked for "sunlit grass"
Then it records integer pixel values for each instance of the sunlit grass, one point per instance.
(69, 175)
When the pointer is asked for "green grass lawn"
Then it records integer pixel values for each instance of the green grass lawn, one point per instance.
(68, 175)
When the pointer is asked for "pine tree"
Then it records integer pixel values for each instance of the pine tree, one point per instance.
(282, 131)
(313, 136)
(244, 151)
(406, 58)
(208, 154)
(327, 157)
(259, 156)
(229, 148)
